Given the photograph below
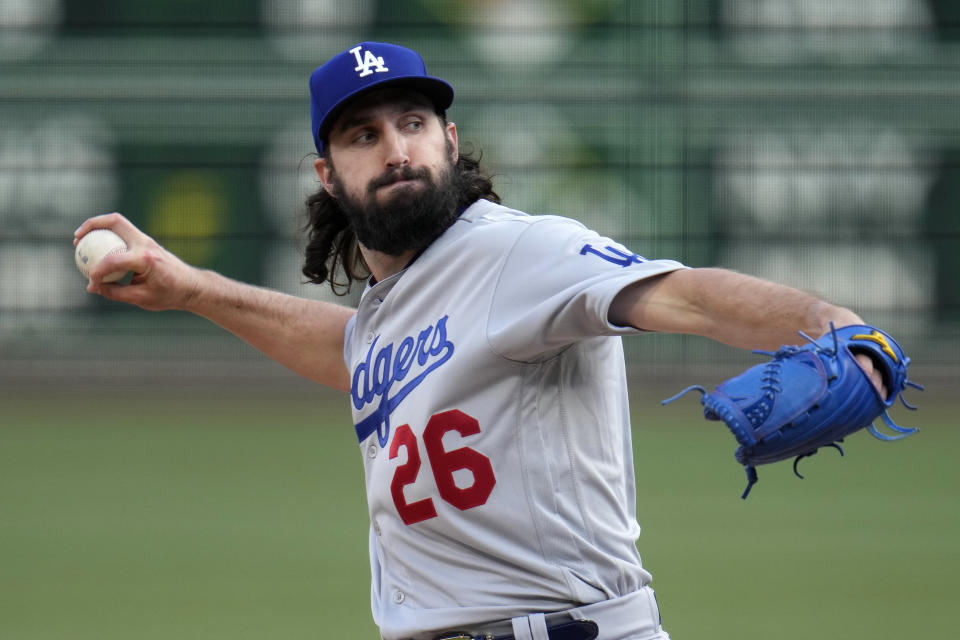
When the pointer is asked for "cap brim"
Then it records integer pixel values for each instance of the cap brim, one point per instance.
(438, 91)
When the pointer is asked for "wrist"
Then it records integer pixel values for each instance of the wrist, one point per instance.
(822, 314)
(198, 288)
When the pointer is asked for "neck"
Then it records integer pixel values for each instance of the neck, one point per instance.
(382, 265)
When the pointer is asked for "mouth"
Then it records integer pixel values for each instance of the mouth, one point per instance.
(400, 182)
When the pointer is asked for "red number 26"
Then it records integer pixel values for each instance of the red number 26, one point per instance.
(443, 464)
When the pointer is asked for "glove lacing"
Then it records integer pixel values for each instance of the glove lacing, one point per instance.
(770, 387)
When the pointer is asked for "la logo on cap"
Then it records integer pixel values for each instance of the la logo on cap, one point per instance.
(368, 60)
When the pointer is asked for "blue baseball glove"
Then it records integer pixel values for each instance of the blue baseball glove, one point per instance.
(808, 397)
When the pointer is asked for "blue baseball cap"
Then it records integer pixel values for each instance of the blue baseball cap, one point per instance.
(366, 66)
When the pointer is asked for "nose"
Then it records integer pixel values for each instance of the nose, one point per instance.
(395, 149)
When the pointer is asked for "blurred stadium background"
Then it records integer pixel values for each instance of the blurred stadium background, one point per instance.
(815, 143)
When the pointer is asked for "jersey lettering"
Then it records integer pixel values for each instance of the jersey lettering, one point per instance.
(614, 255)
(444, 464)
(373, 379)
(368, 60)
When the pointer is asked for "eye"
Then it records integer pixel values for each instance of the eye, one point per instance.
(363, 137)
(414, 124)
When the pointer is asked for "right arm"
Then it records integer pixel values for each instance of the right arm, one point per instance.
(306, 336)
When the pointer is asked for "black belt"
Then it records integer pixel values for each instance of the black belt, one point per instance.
(575, 630)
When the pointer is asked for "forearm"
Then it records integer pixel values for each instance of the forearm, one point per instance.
(306, 336)
(728, 307)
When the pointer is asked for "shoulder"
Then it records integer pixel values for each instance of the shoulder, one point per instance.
(503, 224)
(484, 212)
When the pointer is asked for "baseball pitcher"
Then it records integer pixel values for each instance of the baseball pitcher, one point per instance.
(485, 370)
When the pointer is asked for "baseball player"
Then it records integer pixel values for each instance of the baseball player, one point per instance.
(484, 364)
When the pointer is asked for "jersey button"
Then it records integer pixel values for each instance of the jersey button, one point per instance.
(398, 597)
(370, 337)
(372, 449)
(376, 529)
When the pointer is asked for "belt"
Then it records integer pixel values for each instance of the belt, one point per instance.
(574, 630)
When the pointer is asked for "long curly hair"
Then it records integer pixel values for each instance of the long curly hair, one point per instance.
(332, 253)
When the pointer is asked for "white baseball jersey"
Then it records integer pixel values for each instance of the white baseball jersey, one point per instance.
(490, 402)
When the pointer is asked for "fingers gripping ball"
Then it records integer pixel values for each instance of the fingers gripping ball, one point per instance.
(94, 247)
(808, 397)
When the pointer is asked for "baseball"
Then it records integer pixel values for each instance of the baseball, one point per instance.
(94, 247)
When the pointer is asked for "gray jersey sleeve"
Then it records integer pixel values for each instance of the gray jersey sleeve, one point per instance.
(556, 286)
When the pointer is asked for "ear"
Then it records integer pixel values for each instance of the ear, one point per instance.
(451, 133)
(324, 172)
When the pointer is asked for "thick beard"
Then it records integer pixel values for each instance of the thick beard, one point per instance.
(410, 219)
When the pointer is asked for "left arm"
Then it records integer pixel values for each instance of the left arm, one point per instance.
(729, 307)
(726, 306)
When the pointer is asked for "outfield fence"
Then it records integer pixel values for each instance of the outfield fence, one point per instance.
(814, 143)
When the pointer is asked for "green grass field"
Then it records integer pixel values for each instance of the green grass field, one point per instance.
(214, 514)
